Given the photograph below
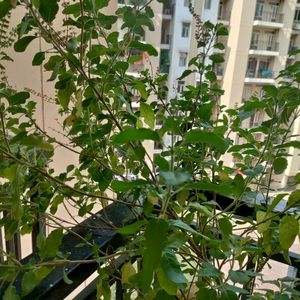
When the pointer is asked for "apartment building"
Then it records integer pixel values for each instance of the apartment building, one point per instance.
(261, 34)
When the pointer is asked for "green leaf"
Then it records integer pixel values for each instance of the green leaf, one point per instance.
(165, 283)
(156, 235)
(33, 277)
(134, 134)
(225, 226)
(66, 279)
(238, 277)
(18, 98)
(21, 44)
(294, 198)
(202, 209)
(206, 294)
(171, 267)
(144, 47)
(279, 165)
(132, 228)
(9, 172)
(295, 144)
(275, 201)
(38, 58)
(127, 271)
(161, 162)
(48, 9)
(124, 186)
(221, 189)
(162, 295)
(185, 74)
(175, 178)
(216, 58)
(182, 196)
(208, 270)
(48, 247)
(107, 21)
(11, 292)
(148, 114)
(260, 217)
(5, 7)
(73, 9)
(211, 76)
(288, 230)
(180, 224)
(209, 138)
(36, 141)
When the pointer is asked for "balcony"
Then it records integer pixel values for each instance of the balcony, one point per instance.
(264, 48)
(296, 25)
(269, 20)
(165, 41)
(102, 231)
(164, 68)
(167, 13)
(224, 18)
(260, 77)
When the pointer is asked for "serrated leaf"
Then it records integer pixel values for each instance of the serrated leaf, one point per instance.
(148, 114)
(279, 165)
(288, 230)
(175, 178)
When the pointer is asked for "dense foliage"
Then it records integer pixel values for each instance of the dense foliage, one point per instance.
(187, 246)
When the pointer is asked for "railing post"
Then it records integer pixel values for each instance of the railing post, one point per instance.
(119, 289)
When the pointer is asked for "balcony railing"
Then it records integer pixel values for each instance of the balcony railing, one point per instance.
(269, 17)
(166, 39)
(269, 74)
(102, 231)
(167, 11)
(262, 45)
(224, 16)
(296, 25)
(164, 68)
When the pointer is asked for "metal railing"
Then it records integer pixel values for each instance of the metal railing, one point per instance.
(269, 17)
(296, 25)
(260, 74)
(262, 45)
(102, 229)
(166, 39)
(167, 11)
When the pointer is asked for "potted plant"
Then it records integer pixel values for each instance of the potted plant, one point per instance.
(188, 243)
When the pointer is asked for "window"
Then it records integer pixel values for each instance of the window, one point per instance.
(207, 4)
(186, 3)
(180, 86)
(182, 59)
(185, 29)
(297, 16)
(259, 10)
